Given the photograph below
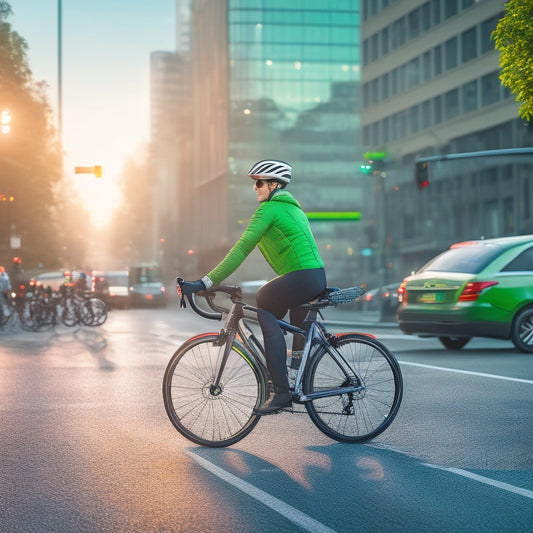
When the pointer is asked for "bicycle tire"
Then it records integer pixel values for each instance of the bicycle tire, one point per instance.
(70, 316)
(212, 418)
(93, 312)
(360, 416)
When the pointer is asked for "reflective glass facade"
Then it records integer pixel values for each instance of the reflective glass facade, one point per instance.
(294, 74)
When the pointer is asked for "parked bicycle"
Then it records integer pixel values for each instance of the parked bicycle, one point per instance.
(350, 383)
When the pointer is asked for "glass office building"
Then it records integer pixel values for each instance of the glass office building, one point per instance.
(294, 74)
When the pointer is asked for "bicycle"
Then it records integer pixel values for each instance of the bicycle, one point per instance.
(350, 383)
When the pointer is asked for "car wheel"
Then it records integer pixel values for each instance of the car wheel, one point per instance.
(522, 330)
(454, 343)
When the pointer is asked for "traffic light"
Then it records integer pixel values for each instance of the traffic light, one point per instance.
(366, 168)
(374, 163)
(96, 170)
(422, 174)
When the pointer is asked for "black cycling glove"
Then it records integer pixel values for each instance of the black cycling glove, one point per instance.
(186, 288)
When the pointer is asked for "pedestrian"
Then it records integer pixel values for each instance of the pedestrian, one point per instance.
(281, 230)
(5, 282)
(5, 287)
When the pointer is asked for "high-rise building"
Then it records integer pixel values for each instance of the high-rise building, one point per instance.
(291, 71)
(430, 86)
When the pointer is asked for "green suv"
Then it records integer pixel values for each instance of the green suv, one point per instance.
(475, 289)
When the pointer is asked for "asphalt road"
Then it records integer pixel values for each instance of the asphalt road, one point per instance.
(86, 444)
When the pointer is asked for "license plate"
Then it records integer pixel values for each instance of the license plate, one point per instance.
(431, 297)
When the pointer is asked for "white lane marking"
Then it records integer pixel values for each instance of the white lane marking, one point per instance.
(486, 480)
(480, 374)
(296, 517)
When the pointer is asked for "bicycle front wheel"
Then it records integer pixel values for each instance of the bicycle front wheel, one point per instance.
(205, 413)
(370, 367)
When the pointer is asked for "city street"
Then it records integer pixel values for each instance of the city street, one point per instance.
(86, 445)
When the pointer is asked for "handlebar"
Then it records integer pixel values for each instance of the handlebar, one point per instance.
(234, 292)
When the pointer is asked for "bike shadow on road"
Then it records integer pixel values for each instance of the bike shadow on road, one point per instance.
(347, 483)
(20, 342)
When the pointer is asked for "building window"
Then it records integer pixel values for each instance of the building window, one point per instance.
(508, 216)
(413, 76)
(426, 66)
(426, 114)
(394, 127)
(435, 12)
(385, 130)
(374, 95)
(394, 81)
(437, 60)
(385, 41)
(451, 104)
(398, 33)
(414, 119)
(490, 89)
(468, 45)
(413, 23)
(374, 47)
(450, 48)
(402, 124)
(385, 86)
(437, 109)
(450, 8)
(425, 17)
(470, 101)
(487, 26)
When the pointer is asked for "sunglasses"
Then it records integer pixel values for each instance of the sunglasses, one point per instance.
(260, 183)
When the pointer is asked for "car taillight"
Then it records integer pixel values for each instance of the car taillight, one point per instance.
(402, 293)
(473, 289)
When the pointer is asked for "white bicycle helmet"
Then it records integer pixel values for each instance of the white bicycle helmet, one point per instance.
(270, 169)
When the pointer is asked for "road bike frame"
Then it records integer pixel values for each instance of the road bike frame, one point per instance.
(315, 333)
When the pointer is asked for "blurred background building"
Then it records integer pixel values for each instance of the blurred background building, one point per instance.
(287, 79)
(430, 86)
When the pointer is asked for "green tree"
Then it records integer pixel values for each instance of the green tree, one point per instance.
(30, 155)
(513, 37)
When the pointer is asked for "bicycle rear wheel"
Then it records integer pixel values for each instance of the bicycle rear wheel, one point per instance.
(93, 312)
(206, 414)
(356, 416)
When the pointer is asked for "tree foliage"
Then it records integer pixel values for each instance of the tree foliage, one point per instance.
(513, 37)
(30, 161)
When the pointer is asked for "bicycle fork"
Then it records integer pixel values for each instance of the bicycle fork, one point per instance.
(226, 338)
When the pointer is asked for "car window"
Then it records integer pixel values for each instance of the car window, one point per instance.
(469, 259)
(522, 263)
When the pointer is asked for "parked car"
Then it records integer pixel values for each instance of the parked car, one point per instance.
(386, 296)
(147, 288)
(112, 287)
(480, 288)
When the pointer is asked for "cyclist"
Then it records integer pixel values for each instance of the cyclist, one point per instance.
(281, 230)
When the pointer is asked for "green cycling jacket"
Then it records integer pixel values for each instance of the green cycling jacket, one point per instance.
(281, 230)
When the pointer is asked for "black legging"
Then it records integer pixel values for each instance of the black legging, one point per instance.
(274, 299)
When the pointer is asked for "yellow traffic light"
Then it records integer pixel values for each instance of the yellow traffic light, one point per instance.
(96, 170)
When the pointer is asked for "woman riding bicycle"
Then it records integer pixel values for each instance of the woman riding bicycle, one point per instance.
(281, 230)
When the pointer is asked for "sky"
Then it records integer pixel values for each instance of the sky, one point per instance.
(106, 46)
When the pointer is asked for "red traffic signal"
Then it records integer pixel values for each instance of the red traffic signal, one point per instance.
(422, 174)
